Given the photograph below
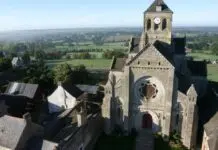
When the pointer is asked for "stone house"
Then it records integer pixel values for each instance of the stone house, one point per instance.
(210, 137)
(152, 88)
(64, 97)
(15, 132)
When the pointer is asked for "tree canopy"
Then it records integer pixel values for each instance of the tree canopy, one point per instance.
(63, 73)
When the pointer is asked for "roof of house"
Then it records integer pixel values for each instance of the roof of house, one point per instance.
(211, 129)
(24, 89)
(179, 45)
(152, 8)
(71, 89)
(118, 64)
(11, 130)
(91, 89)
(197, 68)
(38, 143)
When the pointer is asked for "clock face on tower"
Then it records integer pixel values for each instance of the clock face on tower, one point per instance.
(157, 20)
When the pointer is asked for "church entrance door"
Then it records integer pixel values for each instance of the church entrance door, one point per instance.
(147, 121)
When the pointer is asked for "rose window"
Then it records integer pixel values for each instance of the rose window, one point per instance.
(148, 90)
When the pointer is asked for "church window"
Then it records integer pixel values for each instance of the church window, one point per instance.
(149, 63)
(159, 63)
(148, 24)
(164, 24)
(156, 26)
(148, 90)
(138, 62)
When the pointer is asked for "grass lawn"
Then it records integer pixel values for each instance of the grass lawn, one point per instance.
(212, 72)
(97, 54)
(115, 143)
(89, 63)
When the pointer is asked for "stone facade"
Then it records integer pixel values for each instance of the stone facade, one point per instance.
(151, 88)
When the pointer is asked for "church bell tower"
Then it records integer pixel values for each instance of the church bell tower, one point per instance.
(158, 22)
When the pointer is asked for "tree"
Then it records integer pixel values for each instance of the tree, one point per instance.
(214, 48)
(38, 73)
(5, 64)
(26, 58)
(62, 73)
(80, 75)
(40, 55)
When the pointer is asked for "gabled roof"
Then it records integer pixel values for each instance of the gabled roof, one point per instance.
(162, 47)
(11, 130)
(184, 83)
(72, 89)
(118, 64)
(22, 89)
(165, 8)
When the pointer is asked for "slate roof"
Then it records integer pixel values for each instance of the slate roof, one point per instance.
(72, 89)
(184, 83)
(211, 129)
(11, 130)
(179, 45)
(152, 8)
(197, 68)
(118, 64)
(91, 89)
(23, 89)
(165, 50)
(37, 143)
(134, 45)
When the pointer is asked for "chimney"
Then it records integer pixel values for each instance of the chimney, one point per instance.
(27, 117)
(81, 117)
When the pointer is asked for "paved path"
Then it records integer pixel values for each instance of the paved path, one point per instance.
(145, 140)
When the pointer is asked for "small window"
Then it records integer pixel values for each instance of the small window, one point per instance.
(138, 62)
(159, 63)
(149, 63)
(148, 24)
(177, 119)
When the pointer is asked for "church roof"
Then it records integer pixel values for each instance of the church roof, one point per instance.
(152, 8)
(184, 83)
(197, 68)
(179, 45)
(118, 64)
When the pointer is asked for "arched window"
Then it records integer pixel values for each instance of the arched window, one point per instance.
(156, 26)
(148, 24)
(164, 24)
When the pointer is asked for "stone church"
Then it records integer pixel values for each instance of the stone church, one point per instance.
(154, 87)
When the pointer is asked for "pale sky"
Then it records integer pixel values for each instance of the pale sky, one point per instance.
(47, 14)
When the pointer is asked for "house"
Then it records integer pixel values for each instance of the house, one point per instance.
(64, 97)
(21, 98)
(15, 132)
(17, 62)
(31, 91)
(210, 137)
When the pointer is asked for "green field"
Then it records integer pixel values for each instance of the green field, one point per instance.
(202, 56)
(89, 63)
